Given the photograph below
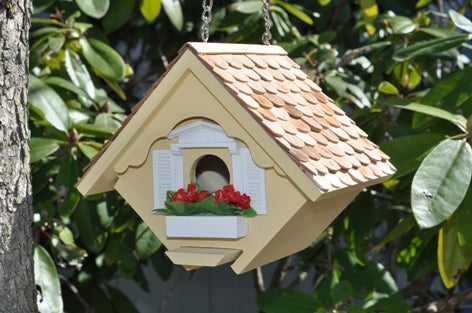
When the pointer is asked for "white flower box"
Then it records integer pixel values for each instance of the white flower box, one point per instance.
(206, 226)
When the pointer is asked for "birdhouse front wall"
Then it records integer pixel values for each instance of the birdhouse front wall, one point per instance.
(222, 160)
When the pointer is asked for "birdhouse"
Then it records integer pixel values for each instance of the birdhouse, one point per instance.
(247, 116)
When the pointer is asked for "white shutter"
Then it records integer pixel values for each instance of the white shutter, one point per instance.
(253, 179)
(163, 176)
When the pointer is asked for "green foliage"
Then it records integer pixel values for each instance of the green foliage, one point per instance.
(401, 71)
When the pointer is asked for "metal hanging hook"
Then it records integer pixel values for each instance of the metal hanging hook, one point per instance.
(266, 36)
(206, 18)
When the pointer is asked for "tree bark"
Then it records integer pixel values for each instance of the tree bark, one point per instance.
(17, 288)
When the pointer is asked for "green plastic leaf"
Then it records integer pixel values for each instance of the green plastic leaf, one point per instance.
(451, 262)
(388, 88)
(441, 182)
(94, 8)
(103, 58)
(461, 21)
(173, 10)
(42, 147)
(295, 10)
(146, 242)
(118, 14)
(150, 9)
(49, 103)
(407, 152)
(49, 299)
(286, 300)
(429, 47)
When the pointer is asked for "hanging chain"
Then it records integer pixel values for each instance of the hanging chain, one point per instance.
(206, 18)
(266, 36)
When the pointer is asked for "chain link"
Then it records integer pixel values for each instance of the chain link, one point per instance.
(266, 36)
(206, 18)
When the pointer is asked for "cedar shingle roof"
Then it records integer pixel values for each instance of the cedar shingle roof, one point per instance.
(316, 134)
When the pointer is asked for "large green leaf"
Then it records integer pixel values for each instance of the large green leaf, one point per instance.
(94, 8)
(451, 262)
(78, 73)
(162, 265)
(402, 227)
(461, 21)
(349, 89)
(65, 84)
(146, 242)
(41, 5)
(173, 10)
(49, 299)
(150, 9)
(286, 300)
(407, 152)
(457, 119)
(92, 234)
(121, 302)
(103, 58)
(65, 182)
(441, 182)
(49, 103)
(464, 231)
(41, 148)
(428, 47)
(246, 7)
(293, 9)
(118, 14)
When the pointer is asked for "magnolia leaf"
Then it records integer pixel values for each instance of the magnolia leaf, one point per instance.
(41, 148)
(49, 298)
(174, 12)
(461, 21)
(451, 262)
(429, 47)
(286, 300)
(94, 8)
(150, 9)
(103, 59)
(441, 182)
(146, 242)
(49, 103)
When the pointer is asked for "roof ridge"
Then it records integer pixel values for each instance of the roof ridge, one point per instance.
(233, 48)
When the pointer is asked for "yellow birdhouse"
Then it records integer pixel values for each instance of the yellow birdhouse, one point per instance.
(244, 115)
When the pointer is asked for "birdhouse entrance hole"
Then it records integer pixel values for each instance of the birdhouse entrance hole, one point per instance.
(211, 173)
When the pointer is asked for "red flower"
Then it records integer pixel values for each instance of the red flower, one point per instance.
(190, 195)
(229, 196)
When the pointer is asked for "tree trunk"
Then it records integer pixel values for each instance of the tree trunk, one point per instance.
(17, 288)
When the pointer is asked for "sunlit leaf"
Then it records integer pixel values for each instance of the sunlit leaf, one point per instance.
(405, 225)
(78, 73)
(388, 88)
(150, 9)
(88, 150)
(461, 21)
(246, 7)
(94, 8)
(441, 182)
(173, 10)
(429, 47)
(65, 84)
(103, 58)
(49, 299)
(422, 3)
(370, 11)
(293, 9)
(451, 262)
(402, 24)
(464, 231)
(286, 300)
(49, 102)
